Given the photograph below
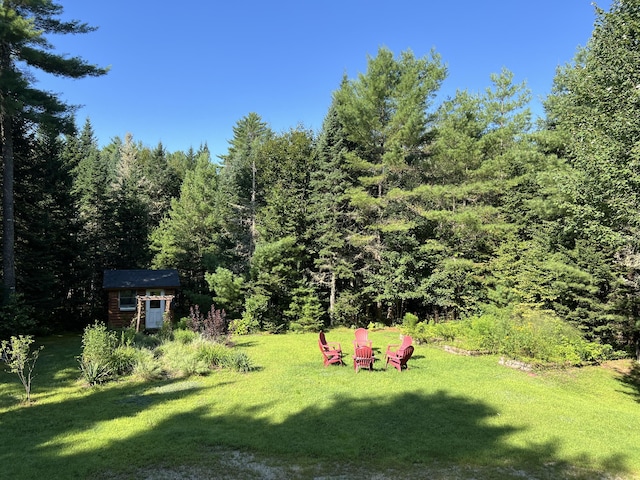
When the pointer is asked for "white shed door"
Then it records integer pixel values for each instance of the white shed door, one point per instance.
(154, 310)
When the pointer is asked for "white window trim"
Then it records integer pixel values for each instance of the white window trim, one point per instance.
(127, 308)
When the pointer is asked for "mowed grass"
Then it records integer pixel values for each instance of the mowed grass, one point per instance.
(448, 416)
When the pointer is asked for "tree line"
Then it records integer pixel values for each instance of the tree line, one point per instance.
(397, 205)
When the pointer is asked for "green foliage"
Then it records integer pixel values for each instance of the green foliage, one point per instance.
(184, 336)
(123, 360)
(524, 333)
(190, 236)
(238, 361)
(98, 343)
(95, 372)
(147, 366)
(243, 326)
(17, 355)
(97, 358)
(16, 316)
(228, 290)
(348, 309)
(213, 354)
(305, 312)
(409, 321)
(182, 360)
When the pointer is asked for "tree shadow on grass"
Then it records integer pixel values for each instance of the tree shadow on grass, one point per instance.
(408, 434)
(631, 378)
(400, 434)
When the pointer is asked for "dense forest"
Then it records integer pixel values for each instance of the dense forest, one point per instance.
(397, 206)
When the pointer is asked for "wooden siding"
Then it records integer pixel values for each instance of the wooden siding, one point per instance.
(123, 319)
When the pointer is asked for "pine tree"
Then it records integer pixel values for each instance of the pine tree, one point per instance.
(384, 115)
(329, 212)
(23, 42)
(594, 108)
(242, 184)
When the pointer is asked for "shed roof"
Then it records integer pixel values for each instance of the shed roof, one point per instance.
(140, 279)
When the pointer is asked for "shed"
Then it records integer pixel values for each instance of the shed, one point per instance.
(140, 295)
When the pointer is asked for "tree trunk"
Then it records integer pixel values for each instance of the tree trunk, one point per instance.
(332, 297)
(8, 224)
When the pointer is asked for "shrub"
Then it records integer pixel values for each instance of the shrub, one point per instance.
(213, 327)
(16, 317)
(98, 346)
(95, 372)
(166, 329)
(213, 354)
(184, 336)
(242, 326)
(16, 353)
(305, 311)
(409, 321)
(124, 359)
(98, 343)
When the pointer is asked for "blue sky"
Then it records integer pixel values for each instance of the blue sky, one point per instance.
(183, 73)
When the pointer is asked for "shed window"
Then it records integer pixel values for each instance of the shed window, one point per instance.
(127, 299)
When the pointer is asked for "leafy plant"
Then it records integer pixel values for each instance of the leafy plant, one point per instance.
(213, 327)
(305, 311)
(95, 372)
(17, 355)
(238, 361)
(98, 343)
(146, 366)
(16, 316)
(98, 346)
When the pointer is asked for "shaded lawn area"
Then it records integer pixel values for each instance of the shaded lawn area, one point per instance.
(447, 416)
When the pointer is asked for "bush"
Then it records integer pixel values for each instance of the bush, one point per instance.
(98, 346)
(243, 326)
(184, 336)
(213, 354)
(16, 317)
(522, 333)
(95, 372)
(212, 327)
(409, 321)
(98, 343)
(124, 359)
(16, 353)
(305, 311)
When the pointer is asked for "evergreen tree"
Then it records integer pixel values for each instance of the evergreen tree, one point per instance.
(23, 41)
(384, 115)
(90, 195)
(192, 237)
(242, 184)
(46, 226)
(329, 213)
(594, 108)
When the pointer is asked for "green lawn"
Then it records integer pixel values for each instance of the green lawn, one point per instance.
(448, 416)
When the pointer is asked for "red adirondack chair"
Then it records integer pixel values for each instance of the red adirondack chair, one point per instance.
(399, 358)
(331, 351)
(362, 338)
(363, 358)
(406, 341)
